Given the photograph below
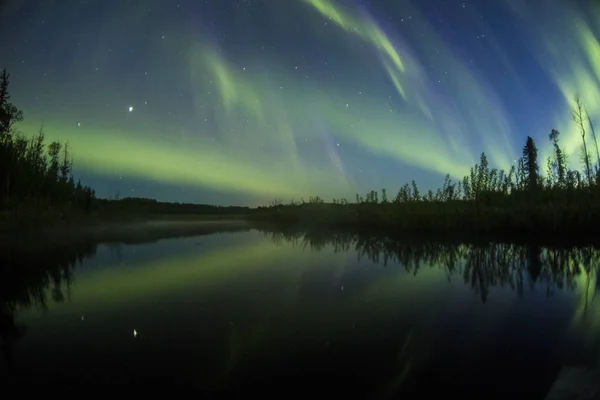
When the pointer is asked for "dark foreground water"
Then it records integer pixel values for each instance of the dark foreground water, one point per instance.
(250, 312)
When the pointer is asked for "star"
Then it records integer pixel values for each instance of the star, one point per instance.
(260, 118)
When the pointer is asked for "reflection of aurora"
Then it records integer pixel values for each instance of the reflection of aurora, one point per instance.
(259, 121)
(288, 265)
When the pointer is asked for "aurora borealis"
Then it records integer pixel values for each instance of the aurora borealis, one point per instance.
(240, 102)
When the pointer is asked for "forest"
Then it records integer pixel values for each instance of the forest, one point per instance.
(35, 177)
(36, 180)
(143, 206)
(37, 183)
(487, 200)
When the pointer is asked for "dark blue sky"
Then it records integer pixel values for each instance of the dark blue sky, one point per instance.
(245, 101)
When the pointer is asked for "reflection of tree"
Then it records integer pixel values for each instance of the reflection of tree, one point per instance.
(116, 250)
(36, 268)
(482, 265)
(27, 275)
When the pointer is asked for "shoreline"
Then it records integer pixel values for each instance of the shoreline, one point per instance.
(323, 220)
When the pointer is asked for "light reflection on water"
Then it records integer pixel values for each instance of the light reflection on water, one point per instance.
(356, 313)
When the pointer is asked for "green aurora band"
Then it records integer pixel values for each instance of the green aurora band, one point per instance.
(283, 140)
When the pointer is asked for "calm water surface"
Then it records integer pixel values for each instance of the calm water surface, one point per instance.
(258, 312)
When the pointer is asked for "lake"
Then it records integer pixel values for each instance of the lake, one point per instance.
(238, 311)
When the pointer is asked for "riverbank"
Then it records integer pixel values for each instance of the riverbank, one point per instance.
(572, 222)
(462, 221)
(452, 219)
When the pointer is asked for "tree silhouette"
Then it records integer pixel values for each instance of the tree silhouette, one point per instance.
(578, 118)
(486, 200)
(559, 162)
(597, 169)
(34, 176)
(531, 165)
(37, 177)
(9, 113)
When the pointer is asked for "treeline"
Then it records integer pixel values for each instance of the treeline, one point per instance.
(37, 184)
(486, 200)
(34, 174)
(146, 206)
(482, 265)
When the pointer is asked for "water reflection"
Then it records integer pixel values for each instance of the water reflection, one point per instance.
(26, 278)
(486, 266)
(265, 304)
(481, 265)
(39, 268)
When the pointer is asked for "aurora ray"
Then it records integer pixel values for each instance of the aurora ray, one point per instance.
(252, 101)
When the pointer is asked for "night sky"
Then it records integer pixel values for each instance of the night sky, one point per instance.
(243, 101)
